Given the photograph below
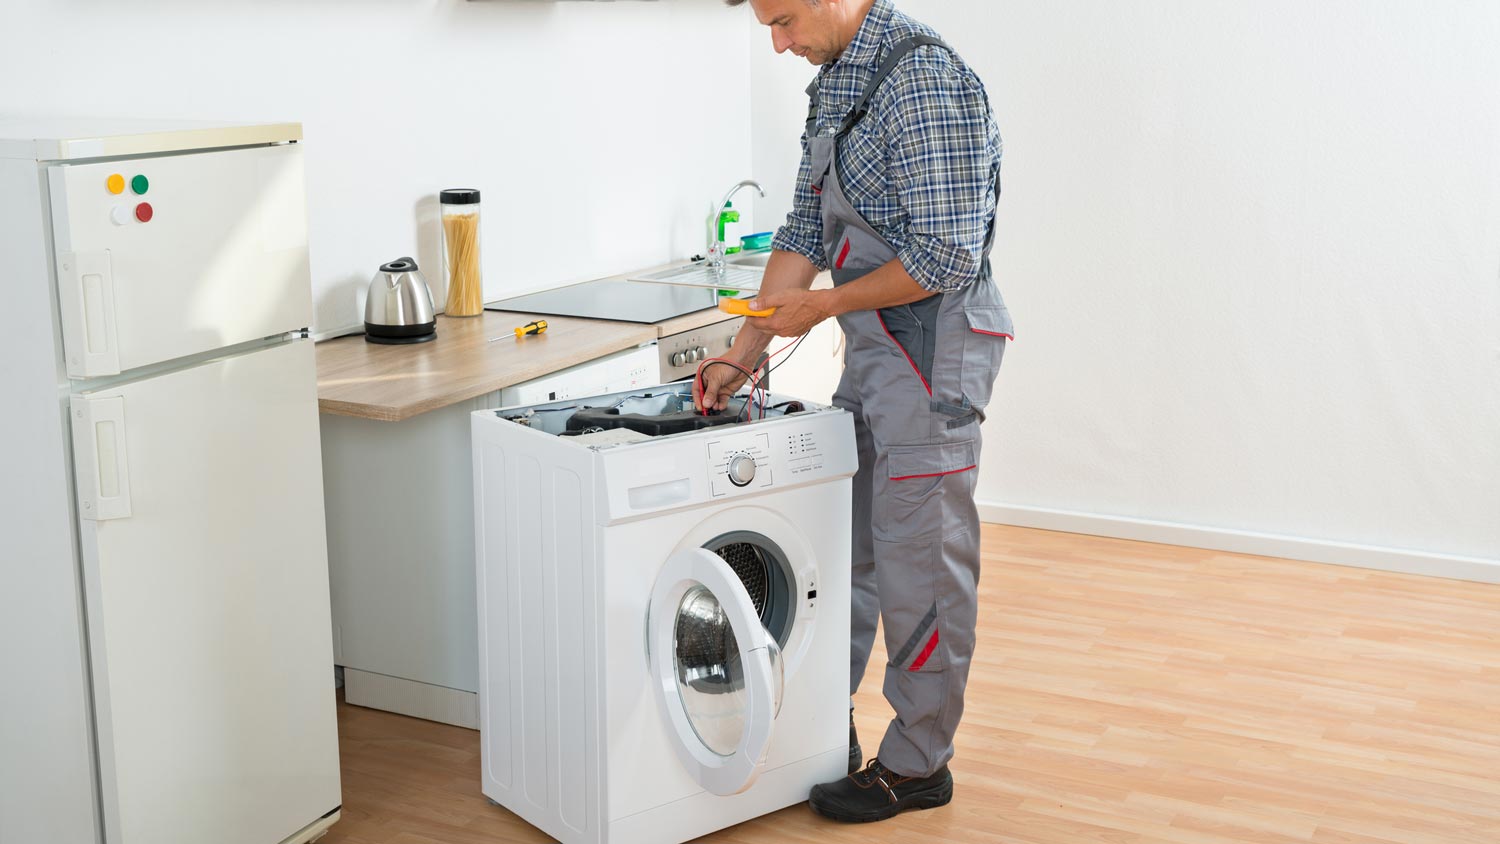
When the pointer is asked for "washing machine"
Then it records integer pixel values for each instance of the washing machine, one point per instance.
(663, 610)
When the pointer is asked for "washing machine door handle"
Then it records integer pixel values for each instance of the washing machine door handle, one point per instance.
(715, 669)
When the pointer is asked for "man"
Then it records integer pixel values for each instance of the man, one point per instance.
(896, 195)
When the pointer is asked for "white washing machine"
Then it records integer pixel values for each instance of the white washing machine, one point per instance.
(663, 611)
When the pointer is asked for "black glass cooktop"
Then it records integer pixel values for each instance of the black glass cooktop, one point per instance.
(613, 299)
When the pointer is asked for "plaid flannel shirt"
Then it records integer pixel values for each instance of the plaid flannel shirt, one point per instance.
(921, 167)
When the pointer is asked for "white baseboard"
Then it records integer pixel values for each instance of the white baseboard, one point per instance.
(409, 697)
(315, 830)
(1244, 542)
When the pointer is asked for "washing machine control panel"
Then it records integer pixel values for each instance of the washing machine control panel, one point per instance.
(760, 460)
(741, 461)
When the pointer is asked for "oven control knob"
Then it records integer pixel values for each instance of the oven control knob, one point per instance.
(702, 353)
(679, 359)
(691, 355)
(741, 469)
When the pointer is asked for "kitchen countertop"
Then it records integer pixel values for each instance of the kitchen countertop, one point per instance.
(471, 356)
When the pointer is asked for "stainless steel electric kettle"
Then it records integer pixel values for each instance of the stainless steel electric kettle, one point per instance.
(399, 308)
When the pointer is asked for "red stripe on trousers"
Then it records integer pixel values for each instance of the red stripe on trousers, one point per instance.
(921, 659)
(992, 333)
(933, 475)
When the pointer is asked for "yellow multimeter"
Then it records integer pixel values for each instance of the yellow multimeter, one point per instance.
(740, 307)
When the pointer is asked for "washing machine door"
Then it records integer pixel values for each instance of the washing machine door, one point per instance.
(716, 670)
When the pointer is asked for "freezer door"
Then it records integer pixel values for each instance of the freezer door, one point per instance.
(160, 258)
(206, 583)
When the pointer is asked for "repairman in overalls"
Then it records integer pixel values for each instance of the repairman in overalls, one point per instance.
(896, 196)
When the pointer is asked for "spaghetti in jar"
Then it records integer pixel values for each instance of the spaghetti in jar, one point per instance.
(461, 252)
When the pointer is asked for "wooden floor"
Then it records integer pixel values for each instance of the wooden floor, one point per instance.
(1125, 693)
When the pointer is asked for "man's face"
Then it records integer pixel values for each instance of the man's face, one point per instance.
(807, 31)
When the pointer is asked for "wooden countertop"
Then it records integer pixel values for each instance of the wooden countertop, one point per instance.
(472, 356)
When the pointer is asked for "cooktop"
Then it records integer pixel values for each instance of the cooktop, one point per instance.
(613, 299)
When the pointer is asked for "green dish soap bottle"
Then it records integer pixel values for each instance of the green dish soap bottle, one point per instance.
(729, 229)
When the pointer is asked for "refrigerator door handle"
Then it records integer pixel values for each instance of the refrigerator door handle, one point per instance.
(99, 458)
(87, 289)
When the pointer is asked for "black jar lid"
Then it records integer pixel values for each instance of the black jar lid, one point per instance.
(459, 196)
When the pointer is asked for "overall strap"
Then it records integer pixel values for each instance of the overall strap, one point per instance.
(812, 108)
(862, 105)
(887, 66)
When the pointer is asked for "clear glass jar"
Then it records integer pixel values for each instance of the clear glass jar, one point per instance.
(461, 252)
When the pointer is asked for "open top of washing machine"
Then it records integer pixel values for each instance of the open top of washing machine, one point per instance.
(640, 415)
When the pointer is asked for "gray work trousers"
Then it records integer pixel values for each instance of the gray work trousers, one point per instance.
(916, 527)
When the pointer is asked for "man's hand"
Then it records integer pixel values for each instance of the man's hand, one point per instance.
(719, 383)
(797, 311)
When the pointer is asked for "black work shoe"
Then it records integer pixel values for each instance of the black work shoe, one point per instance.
(876, 793)
(856, 760)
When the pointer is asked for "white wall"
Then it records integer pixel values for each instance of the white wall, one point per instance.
(1253, 253)
(583, 123)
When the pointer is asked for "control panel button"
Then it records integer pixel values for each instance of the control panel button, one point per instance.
(741, 469)
(143, 212)
(120, 215)
(115, 183)
(140, 184)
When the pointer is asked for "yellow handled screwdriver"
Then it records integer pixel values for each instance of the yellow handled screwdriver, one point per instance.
(537, 327)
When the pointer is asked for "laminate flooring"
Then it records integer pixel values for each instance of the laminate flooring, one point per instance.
(1122, 693)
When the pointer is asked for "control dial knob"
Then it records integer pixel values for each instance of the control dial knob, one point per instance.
(741, 469)
(679, 359)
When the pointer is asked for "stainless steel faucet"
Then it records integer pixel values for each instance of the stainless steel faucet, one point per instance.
(716, 247)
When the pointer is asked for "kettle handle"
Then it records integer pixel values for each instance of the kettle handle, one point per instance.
(400, 265)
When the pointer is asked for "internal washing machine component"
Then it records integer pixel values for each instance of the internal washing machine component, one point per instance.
(658, 425)
(658, 412)
(766, 574)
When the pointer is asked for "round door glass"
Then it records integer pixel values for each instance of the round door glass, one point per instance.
(710, 674)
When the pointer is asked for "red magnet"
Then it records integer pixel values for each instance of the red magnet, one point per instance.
(143, 212)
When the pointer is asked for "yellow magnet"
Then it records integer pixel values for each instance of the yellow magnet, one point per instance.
(115, 183)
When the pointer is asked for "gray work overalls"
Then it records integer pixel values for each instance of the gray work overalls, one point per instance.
(916, 378)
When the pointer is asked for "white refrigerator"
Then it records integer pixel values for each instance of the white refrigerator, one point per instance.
(166, 666)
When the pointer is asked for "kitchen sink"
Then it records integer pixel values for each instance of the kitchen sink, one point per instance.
(749, 259)
(734, 275)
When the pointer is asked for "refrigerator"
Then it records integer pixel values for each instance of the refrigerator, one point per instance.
(166, 665)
